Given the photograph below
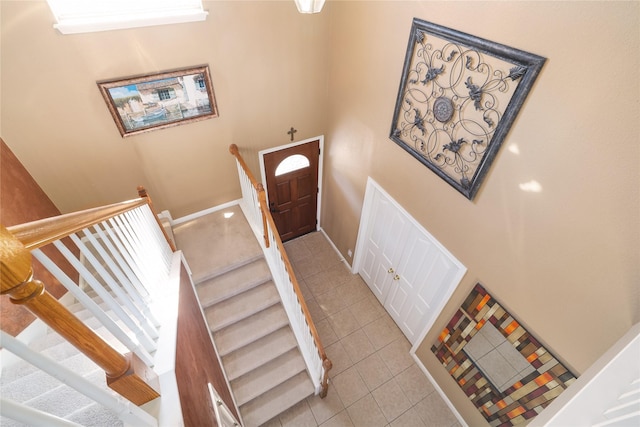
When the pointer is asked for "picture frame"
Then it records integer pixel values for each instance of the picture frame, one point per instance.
(160, 100)
(458, 97)
(502, 368)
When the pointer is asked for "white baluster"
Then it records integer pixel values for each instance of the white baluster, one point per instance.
(126, 410)
(94, 308)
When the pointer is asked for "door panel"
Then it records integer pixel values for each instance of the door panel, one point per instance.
(293, 196)
(406, 268)
(388, 230)
(424, 276)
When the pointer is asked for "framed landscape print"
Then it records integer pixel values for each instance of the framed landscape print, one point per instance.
(154, 101)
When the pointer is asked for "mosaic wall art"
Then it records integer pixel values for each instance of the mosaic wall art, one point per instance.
(502, 368)
(458, 97)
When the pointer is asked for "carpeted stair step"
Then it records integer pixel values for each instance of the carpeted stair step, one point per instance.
(255, 354)
(277, 400)
(267, 376)
(241, 306)
(234, 282)
(95, 415)
(250, 329)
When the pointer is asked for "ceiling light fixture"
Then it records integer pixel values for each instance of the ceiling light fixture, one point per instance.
(309, 6)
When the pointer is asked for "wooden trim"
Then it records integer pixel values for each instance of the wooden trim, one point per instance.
(125, 374)
(268, 220)
(39, 233)
(262, 199)
(296, 288)
(233, 149)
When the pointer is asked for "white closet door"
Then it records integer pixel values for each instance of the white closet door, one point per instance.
(407, 269)
(387, 232)
(423, 276)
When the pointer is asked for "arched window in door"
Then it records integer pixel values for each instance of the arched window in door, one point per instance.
(292, 163)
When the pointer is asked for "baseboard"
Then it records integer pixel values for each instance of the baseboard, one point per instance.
(196, 215)
(335, 248)
(438, 389)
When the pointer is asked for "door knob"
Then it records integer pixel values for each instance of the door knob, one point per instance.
(390, 270)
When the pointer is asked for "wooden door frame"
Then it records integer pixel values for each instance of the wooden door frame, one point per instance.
(263, 175)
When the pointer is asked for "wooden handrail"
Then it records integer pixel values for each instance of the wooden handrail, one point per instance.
(233, 149)
(294, 282)
(126, 374)
(262, 200)
(39, 233)
(269, 221)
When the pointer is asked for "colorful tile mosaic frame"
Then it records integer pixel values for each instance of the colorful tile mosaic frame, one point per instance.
(523, 400)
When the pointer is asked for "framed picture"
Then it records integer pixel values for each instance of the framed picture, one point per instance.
(458, 97)
(502, 368)
(155, 101)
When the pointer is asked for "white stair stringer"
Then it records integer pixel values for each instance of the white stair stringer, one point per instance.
(258, 349)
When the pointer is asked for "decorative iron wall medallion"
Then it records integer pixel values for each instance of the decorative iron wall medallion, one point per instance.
(502, 368)
(458, 97)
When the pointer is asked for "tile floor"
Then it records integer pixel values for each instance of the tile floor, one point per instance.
(374, 381)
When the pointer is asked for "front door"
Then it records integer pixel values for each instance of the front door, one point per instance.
(292, 188)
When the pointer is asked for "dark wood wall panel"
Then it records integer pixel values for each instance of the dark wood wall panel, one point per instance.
(197, 363)
(22, 200)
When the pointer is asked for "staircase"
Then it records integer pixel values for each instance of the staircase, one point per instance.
(24, 383)
(242, 307)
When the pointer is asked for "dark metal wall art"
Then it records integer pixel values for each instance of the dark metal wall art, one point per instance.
(458, 97)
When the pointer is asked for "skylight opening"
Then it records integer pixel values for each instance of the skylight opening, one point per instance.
(82, 16)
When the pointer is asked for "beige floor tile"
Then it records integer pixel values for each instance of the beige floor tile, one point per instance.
(316, 312)
(396, 355)
(391, 400)
(354, 290)
(299, 415)
(326, 332)
(306, 293)
(339, 357)
(357, 345)
(350, 386)
(373, 371)
(382, 332)
(366, 413)
(307, 269)
(336, 274)
(343, 323)
(342, 419)
(297, 250)
(325, 408)
(434, 411)
(415, 385)
(331, 302)
(318, 244)
(367, 349)
(321, 283)
(409, 419)
(365, 312)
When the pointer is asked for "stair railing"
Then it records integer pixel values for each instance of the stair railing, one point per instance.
(124, 258)
(254, 206)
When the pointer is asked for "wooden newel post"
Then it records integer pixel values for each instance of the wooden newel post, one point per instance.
(125, 374)
(327, 365)
(142, 192)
